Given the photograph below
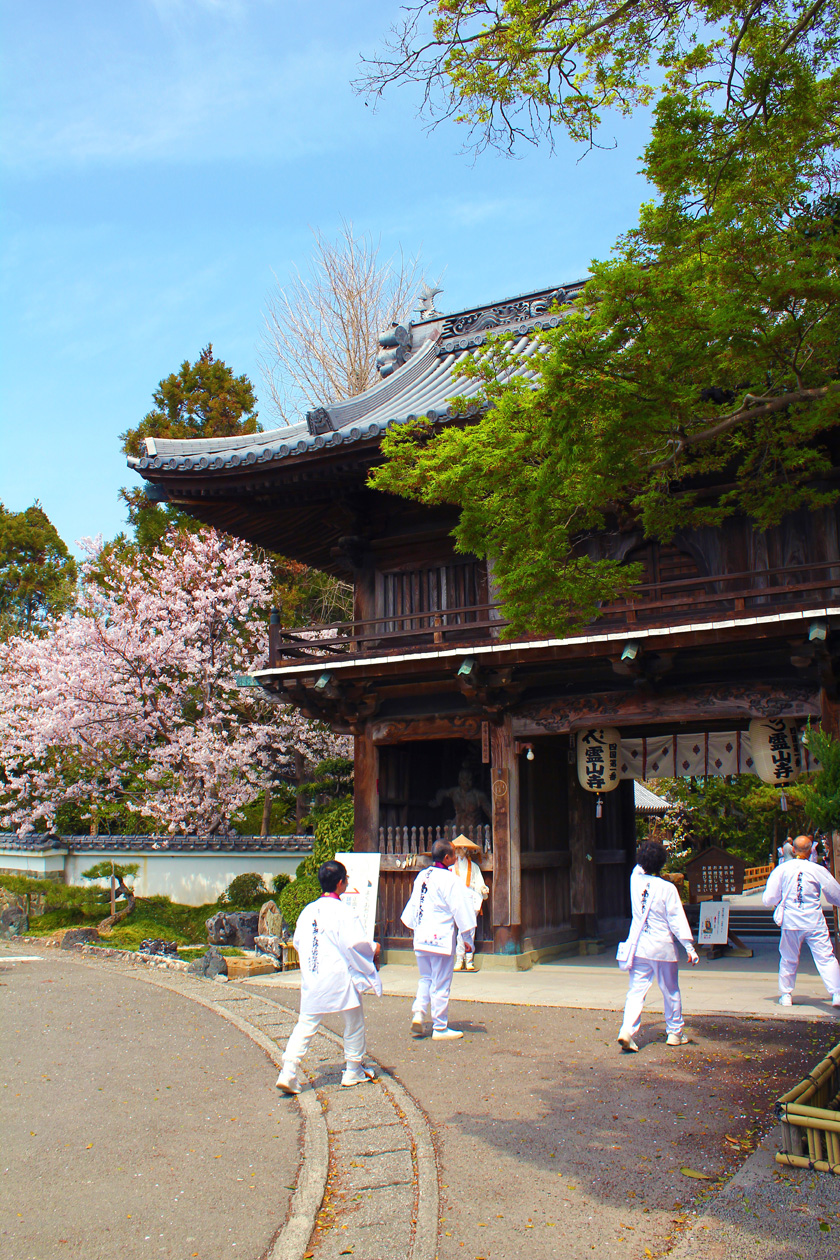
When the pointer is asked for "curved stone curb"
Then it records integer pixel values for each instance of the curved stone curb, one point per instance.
(424, 1240)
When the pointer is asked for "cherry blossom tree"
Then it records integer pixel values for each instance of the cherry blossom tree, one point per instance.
(131, 702)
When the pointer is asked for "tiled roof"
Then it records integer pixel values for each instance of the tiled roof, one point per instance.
(39, 843)
(648, 802)
(423, 386)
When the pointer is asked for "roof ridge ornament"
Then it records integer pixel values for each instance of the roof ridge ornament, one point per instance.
(319, 421)
(426, 301)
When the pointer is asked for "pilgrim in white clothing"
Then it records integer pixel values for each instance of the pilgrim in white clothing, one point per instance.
(438, 911)
(336, 965)
(469, 873)
(659, 922)
(797, 889)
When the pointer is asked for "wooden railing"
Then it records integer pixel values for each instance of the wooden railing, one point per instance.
(755, 876)
(693, 600)
(421, 839)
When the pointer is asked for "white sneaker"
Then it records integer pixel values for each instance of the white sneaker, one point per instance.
(459, 965)
(418, 1027)
(785, 1000)
(446, 1034)
(288, 1082)
(676, 1039)
(627, 1043)
(470, 967)
(357, 1076)
(835, 1000)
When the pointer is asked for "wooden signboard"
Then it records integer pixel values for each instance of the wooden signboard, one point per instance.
(713, 874)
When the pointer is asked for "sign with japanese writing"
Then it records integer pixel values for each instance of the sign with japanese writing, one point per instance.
(713, 928)
(597, 759)
(776, 754)
(362, 887)
(714, 873)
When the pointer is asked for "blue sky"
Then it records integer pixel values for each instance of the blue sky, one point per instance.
(163, 160)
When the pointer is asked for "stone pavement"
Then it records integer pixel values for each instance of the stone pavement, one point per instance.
(532, 1134)
(734, 986)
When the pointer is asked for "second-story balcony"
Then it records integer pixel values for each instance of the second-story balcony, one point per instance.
(691, 601)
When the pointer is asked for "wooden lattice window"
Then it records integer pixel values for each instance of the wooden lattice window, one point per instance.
(409, 593)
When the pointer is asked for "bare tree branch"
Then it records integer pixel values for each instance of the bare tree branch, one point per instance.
(321, 330)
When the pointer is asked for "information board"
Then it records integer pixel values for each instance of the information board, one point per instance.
(362, 887)
(713, 928)
(715, 873)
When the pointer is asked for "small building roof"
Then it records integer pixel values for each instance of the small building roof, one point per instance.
(648, 802)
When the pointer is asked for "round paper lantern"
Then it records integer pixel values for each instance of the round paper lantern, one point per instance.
(776, 754)
(597, 759)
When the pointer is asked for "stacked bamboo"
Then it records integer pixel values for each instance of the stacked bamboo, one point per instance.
(810, 1116)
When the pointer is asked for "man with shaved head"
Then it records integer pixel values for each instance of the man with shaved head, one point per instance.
(796, 890)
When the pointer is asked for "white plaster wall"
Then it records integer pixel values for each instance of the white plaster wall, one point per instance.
(193, 879)
(32, 865)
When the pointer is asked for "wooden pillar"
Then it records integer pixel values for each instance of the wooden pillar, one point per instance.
(504, 786)
(830, 712)
(365, 794)
(830, 723)
(583, 887)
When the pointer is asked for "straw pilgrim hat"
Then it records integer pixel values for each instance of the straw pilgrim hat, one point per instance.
(461, 842)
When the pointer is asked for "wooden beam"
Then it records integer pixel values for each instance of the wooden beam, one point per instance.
(712, 703)
(454, 726)
(365, 794)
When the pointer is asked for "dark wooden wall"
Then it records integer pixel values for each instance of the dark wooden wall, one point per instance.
(544, 830)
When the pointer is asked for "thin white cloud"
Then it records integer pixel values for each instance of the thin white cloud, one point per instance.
(182, 90)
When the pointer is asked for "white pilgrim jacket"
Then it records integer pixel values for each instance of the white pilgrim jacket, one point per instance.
(470, 875)
(439, 906)
(798, 885)
(336, 959)
(666, 919)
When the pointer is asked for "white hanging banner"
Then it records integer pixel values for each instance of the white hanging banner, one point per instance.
(597, 759)
(775, 749)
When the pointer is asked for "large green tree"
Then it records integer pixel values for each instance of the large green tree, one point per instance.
(202, 400)
(698, 375)
(37, 572)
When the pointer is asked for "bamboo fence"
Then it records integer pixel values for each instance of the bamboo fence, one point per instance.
(810, 1117)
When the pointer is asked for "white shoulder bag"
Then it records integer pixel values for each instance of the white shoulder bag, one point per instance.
(626, 952)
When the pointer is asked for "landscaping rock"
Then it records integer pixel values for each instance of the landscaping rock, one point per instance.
(158, 946)
(237, 929)
(271, 921)
(79, 936)
(13, 922)
(212, 965)
(271, 945)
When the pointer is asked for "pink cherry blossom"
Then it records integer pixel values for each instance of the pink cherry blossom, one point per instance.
(132, 700)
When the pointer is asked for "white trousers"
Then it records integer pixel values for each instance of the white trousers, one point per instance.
(819, 943)
(642, 975)
(308, 1025)
(463, 949)
(433, 986)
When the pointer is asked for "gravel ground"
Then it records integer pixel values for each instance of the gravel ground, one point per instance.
(135, 1123)
(553, 1141)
